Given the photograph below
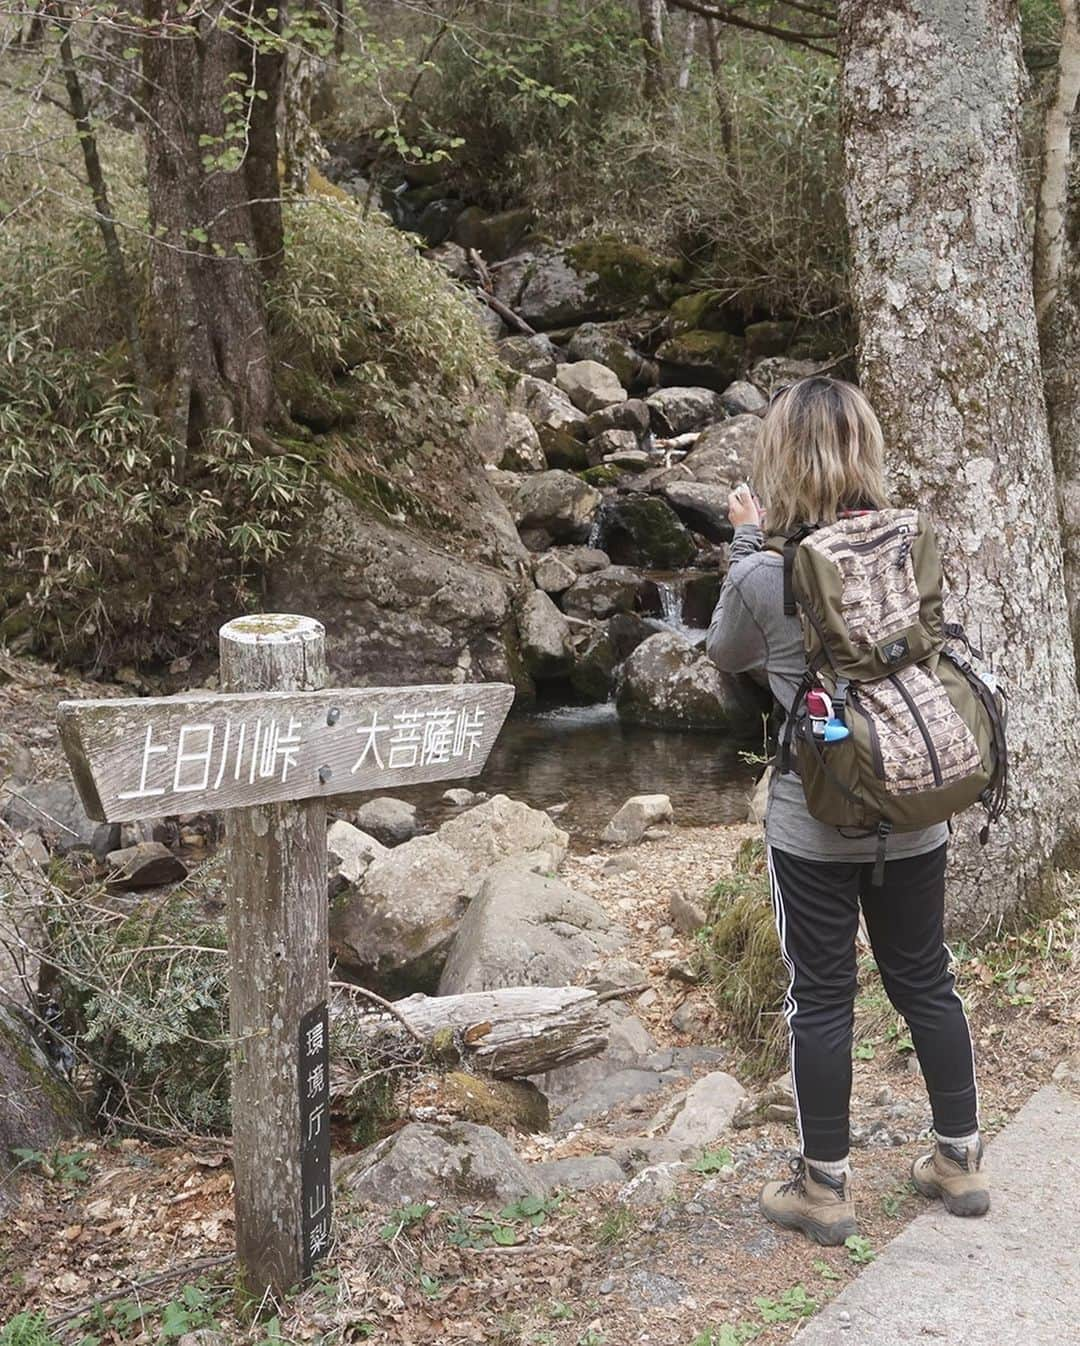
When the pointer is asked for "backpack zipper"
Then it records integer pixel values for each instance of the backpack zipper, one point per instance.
(916, 715)
(875, 742)
(873, 543)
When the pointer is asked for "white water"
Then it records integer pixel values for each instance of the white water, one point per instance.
(671, 603)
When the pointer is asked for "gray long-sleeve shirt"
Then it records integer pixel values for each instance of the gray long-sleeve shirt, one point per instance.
(749, 631)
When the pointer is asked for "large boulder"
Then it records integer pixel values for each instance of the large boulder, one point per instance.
(549, 407)
(23, 908)
(632, 415)
(629, 1044)
(775, 371)
(670, 684)
(544, 635)
(637, 815)
(724, 453)
(677, 411)
(593, 673)
(16, 764)
(349, 853)
(643, 530)
(552, 574)
(147, 864)
(599, 278)
(454, 1163)
(394, 929)
(702, 506)
(589, 385)
(741, 397)
(521, 449)
(54, 810)
(37, 1107)
(388, 819)
(399, 608)
(601, 593)
(535, 355)
(702, 358)
(707, 1111)
(583, 560)
(605, 343)
(526, 929)
(504, 829)
(495, 236)
(558, 502)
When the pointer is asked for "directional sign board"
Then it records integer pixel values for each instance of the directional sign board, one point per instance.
(269, 752)
(154, 756)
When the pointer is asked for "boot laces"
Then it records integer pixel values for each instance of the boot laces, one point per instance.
(797, 1183)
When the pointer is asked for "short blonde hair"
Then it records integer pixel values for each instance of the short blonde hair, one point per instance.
(821, 450)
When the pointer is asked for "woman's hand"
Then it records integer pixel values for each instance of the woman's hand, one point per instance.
(743, 508)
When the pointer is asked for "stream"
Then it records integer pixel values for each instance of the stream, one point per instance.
(586, 758)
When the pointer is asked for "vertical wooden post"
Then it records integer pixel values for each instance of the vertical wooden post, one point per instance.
(278, 969)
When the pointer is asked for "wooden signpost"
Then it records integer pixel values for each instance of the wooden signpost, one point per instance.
(270, 750)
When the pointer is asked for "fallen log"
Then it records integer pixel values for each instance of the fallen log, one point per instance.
(509, 1033)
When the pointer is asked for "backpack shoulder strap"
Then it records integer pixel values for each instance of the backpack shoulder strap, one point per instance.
(787, 544)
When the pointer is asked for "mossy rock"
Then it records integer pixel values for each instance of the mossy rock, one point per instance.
(628, 276)
(39, 1108)
(704, 310)
(495, 236)
(593, 671)
(768, 338)
(504, 1105)
(605, 474)
(562, 450)
(643, 530)
(701, 358)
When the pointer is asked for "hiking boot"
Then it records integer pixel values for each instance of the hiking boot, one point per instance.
(955, 1175)
(816, 1203)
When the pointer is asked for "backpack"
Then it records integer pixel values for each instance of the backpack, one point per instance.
(891, 729)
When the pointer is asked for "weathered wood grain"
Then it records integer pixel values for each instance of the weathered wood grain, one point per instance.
(152, 756)
(277, 937)
(509, 1033)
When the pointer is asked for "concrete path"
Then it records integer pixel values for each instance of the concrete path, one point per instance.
(1009, 1279)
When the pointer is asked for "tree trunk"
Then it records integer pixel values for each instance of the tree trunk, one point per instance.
(689, 47)
(215, 214)
(1057, 300)
(509, 1033)
(941, 282)
(305, 69)
(652, 32)
(720, 93)
(95, 177)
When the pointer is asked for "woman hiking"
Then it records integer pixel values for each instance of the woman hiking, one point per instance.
(819, 460)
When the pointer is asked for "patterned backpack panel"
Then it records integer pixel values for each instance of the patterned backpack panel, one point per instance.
(915, 734)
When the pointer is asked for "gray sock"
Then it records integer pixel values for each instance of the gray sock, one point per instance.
(833, 1168)
(958, 1142)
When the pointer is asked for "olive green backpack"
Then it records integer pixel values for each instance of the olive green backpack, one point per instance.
(926, 734)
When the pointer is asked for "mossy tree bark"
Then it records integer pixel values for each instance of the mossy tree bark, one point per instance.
(949, 354)
(211, 94)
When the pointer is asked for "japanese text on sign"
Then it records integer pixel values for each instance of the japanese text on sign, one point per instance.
(315, 1134)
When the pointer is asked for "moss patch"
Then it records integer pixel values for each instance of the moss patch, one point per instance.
(707, 310)
(710, 359)
(627, 275)
(603, 475)
(645, 530)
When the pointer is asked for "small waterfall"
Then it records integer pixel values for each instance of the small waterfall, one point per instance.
(671, 606)
(599, 525)
(670, 602)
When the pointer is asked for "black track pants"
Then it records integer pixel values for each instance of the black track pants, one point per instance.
(817, 916)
